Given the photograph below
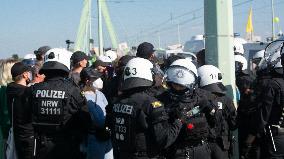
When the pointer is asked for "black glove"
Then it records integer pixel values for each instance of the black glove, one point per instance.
(177, 112)
(186, 114)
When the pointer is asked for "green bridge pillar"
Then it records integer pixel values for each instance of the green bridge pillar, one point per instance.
(219, 44)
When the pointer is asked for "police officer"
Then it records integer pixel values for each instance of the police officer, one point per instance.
(270, 115)
(251, 146)
(60, 115)
(184, 98)
(261, 70)
(138, 121)
(225, 115)
(244, 83)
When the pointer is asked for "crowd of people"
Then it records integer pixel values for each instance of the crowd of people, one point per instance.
(56, 104)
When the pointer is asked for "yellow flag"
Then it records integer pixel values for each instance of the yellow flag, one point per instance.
(249, 28)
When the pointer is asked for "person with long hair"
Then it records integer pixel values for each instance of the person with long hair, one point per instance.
(5, 71)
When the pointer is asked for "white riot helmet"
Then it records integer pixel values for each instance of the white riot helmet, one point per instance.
(29, 60)
(238, 46)
(57, 59)
(241, 63)
(187, 64)
(138, 72)
(111, 54)
(211, 79)
(182, 72)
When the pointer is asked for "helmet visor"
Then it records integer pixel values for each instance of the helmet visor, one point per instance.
(181, 76)
(216, 88)
(29, 62)
(272, 49)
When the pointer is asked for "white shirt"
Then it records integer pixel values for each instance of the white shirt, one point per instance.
(98, 98)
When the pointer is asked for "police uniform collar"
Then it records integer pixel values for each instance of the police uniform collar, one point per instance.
(218, 88)
(135, 90)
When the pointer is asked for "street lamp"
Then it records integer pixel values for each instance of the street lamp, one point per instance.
(69, 42)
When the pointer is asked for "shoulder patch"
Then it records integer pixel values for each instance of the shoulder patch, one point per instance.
(220, 105)
(156, 104)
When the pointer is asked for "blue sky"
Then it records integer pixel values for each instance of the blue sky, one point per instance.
(27, 25)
